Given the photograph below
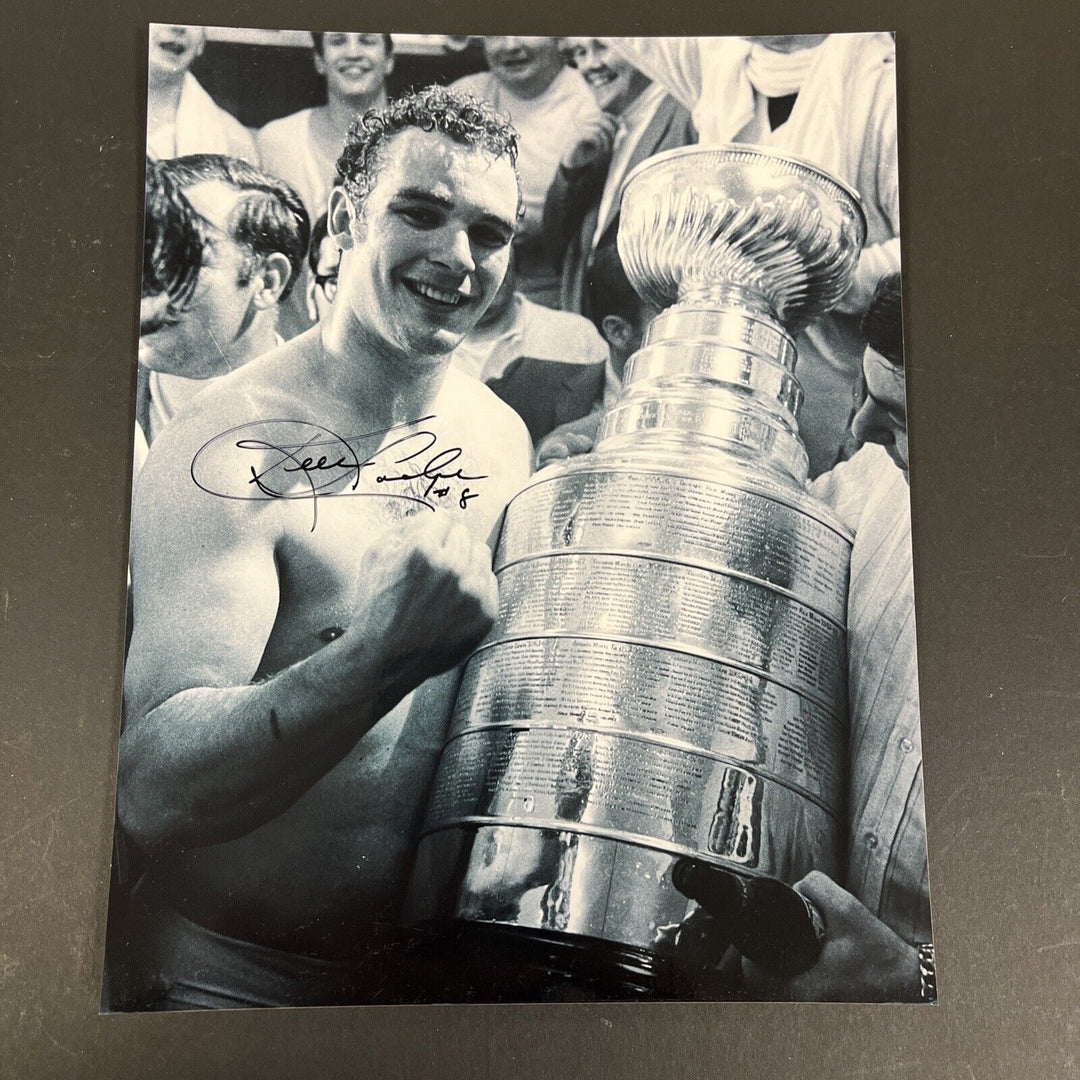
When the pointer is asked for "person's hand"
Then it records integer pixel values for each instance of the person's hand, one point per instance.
(427, 596)
(594, 144)
(569, 440)
(861, 958)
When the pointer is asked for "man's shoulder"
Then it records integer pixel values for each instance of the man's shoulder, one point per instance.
(571, 92)
(855, 485)
(465, 397)
(472, 403)
(677, 122)
(480, 83)
(284, 126)
(279, 137)
(495, 434)
(262, 389)
(197, 477)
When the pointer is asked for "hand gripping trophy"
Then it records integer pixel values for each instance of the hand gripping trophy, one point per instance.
(657, 721)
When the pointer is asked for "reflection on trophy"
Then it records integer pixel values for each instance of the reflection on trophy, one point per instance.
(665, 687)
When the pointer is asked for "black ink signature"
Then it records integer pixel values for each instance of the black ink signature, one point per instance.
(324, 464)
(432, 470)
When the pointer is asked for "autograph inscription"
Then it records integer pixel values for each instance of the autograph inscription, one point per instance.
(301, 460)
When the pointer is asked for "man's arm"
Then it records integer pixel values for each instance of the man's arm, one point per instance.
(577, 186)
(207, 755)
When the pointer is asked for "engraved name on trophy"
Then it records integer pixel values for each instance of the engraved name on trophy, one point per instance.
(666, 680)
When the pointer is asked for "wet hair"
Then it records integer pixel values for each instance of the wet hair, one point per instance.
(318, 35)
(269, 218)
(882, 326)
(463, 117)
(319, 232)
(173, 240)
(608, 290)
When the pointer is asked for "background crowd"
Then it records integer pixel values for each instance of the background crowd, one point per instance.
(588, 111)
(238, 258)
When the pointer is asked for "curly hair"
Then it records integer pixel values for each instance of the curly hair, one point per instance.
(882, 326)
(269, 217)
(463, 117)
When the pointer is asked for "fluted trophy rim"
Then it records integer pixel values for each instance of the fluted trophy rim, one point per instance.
(699, 149)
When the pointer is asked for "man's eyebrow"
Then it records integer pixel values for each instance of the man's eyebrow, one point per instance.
(423, 195)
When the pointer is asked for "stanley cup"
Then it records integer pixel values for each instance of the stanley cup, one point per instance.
(665, 685)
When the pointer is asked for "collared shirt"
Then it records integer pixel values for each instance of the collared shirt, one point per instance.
(887, 865)
(632, 124)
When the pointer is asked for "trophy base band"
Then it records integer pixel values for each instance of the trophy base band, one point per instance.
(494, 963)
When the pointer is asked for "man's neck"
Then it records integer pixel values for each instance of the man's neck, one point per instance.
(260, 337)
(340, 112)
(376, 382)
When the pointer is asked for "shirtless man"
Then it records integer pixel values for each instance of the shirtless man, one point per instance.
(309, 566)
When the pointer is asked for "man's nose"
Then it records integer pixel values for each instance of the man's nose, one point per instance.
(456, 251)
(872, 425)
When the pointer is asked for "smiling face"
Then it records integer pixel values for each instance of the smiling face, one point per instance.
(882, 414)
(173, 49)
(207, 337)
(614, 81)
(354, 65)
(429, 250)
(527, 66)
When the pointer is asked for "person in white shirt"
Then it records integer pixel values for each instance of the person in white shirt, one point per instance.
(877, 927)
(877, 920)
(830, 99)
(548, 366)
(303, 148)
(254, 234)
(181, 117)
(549, 105)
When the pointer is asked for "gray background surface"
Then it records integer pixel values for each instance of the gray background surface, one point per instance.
(988, 157)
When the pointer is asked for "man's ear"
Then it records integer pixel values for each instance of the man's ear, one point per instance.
(618, 333)
(388, 64)
(320, 63)
(340, 215)
(271, 280)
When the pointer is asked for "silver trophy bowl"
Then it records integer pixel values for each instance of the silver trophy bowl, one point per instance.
(657, 723)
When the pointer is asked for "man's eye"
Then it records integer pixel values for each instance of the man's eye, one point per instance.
(490, 238)
(419, 216)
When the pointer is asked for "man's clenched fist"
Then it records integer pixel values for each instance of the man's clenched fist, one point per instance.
(426, 598)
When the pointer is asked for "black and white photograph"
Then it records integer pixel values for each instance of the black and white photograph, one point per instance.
(521, 602)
